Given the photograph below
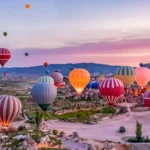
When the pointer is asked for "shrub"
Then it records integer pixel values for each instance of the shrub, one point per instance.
(62, 133)
(108, 110)
(122, 129)
(138, 130)
(21, 128)
(55, 132)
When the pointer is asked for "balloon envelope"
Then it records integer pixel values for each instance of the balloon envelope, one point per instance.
(142, 76)
(26, 54)
(126, 74)
(146, 98)
(79, 78)
(46, 79)
(10, 108)
(5, 55)
(95, 85)
(5, 33)
(44, 94)
(47, 72)
(58, 78)
(111, 89)
(45, 64)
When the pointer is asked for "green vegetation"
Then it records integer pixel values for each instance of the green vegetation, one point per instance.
(138, 130)
(139, 138)
(108, 110)
(55, 132)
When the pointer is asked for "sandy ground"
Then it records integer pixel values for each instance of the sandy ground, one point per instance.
(106, 129)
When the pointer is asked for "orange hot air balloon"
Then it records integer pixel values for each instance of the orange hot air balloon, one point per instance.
(79, 79)
(142, 76)
(45, 64)
(27, 6)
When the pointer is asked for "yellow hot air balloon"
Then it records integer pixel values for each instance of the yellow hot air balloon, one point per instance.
(101, 78)
(126, 74)
(142, 76)
(79, 78)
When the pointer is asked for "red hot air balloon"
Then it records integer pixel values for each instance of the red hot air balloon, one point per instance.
(5, 55)
(146, 98)
(111, 89)
(5, 74)
(10, 108)
(45, 64)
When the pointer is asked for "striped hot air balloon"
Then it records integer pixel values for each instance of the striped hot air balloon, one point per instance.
(146, 98)
(126, 74)
(46, 79)
(142, 76)
(10, 108)
(58, 78)
(44, 94)
(5, 55)
(79, 79)
(111, 89)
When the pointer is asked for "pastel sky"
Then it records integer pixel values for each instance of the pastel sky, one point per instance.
(115, 32)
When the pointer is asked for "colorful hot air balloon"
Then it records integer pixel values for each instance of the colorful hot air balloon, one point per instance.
(47, 72)
(27, 6)
(10, 108)
(111, 89)
(5, 55)
(146, 98)
(79, 78)
(142, 76)
(46, 79)
(126, 74)
(95, 85)
(44, 94)
(45, 64)
(5, 33)
(5, 74)
(58, 78)
(26, 54)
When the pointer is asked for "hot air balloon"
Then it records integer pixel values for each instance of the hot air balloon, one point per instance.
(146, 98)
(45, 64)
(5, 33)
(10, 108)
(26, 54)
(46, 79)
(142, 76)
(101, 78)
(62, 85)
(95, 85)
(57, 70)
(58, 78)
(5, 74)
(89, 85)
(47, 72)
(44, 94)
(27, 6)
(5, 55)
(111, 89)
(126, 74)
(79, 78)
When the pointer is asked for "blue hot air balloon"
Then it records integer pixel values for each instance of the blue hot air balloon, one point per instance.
(89, 85)
(47, 72)
(44, 94)
(26, 54)
(95, 85)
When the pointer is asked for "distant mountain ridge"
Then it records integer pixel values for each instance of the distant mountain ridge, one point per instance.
(64, 69)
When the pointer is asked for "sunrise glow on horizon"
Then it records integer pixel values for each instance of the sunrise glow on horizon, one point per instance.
(59, 32)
